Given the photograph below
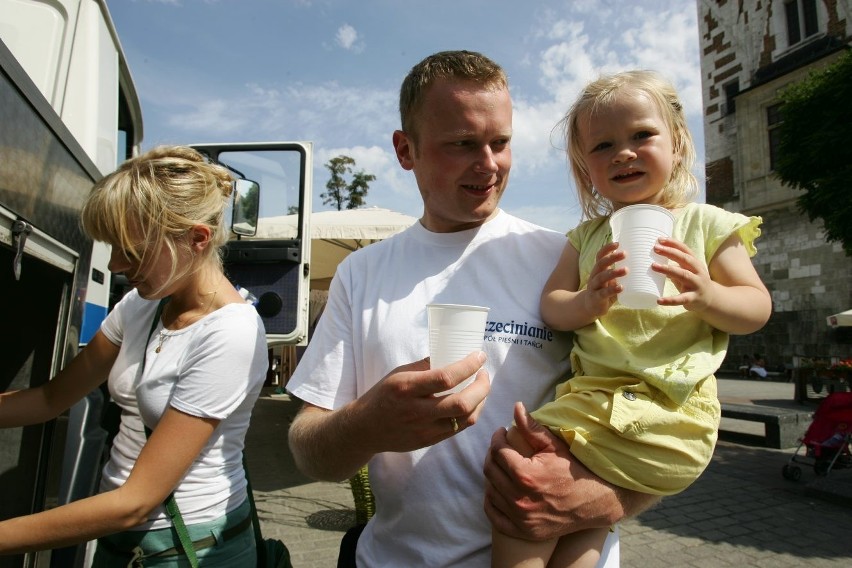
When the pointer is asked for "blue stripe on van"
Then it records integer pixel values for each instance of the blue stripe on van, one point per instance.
(93, 315)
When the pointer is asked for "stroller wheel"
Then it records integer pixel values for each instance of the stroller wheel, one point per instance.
(791, 472)
(816, 384)
(821, 467)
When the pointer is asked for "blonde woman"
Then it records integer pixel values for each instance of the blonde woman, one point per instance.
(184, 357)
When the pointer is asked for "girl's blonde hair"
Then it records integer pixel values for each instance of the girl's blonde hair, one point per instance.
(153, 200)
(682, 187)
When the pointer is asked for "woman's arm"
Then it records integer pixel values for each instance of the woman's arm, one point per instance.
(169, 452)
(83, 374)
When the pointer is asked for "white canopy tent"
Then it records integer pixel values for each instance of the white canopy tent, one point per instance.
(843, 319)
(335, 234)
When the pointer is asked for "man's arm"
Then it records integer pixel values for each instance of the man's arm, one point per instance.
(399, 414)
(551, 493)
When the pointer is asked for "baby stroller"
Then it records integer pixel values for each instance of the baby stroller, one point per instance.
(827, 440)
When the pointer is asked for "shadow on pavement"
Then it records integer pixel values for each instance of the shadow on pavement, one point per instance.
(271, 464)
(742, 503)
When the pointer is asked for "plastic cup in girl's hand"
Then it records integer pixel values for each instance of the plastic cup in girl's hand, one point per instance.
(455, 331)
(636, 228)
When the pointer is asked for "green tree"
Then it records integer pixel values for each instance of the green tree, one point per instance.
(814, 152)
(341, 192)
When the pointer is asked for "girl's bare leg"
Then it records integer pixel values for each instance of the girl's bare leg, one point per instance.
(576, 550)
(511, 552)
(579, 550)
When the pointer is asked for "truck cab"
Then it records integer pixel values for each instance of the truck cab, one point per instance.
(70, 114)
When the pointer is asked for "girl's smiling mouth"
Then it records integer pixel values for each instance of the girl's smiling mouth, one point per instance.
(628, 175)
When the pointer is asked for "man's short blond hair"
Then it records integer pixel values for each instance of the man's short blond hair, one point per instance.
(459, 65)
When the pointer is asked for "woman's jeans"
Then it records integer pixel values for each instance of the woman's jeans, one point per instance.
(235, 551)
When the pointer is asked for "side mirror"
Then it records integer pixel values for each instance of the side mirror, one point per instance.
(246, 207)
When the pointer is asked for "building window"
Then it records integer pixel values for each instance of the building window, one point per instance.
(731, 91)
(801, 20)
(773, 121)
(720, 181)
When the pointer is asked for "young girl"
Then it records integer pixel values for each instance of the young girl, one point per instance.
(641, 410)
(190, 373)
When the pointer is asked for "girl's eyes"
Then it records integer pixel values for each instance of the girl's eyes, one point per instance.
(641, 135)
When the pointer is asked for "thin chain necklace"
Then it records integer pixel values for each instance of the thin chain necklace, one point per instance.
(163, 337)
(164, 333)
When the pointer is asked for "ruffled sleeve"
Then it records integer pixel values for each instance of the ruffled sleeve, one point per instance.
(707, 227)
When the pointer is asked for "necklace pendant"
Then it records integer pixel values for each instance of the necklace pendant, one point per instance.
(163, 337)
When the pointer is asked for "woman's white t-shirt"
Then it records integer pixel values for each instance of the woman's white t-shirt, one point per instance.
(213, 368)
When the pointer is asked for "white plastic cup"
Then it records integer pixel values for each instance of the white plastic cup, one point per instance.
(636, 228)
(455, 331)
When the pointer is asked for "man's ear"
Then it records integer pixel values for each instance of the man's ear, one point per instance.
(404, 149)
(201, 235)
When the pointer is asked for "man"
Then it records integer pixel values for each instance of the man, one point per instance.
(366, 401)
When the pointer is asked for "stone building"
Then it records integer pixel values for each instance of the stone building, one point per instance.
(750, 51)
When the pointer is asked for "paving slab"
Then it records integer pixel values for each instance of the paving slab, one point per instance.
(741, 512)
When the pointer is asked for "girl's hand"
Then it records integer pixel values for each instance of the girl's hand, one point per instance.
(603, 286)
(688, 274)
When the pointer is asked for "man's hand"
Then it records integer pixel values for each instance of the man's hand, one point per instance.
(549, 494)
(399, 414)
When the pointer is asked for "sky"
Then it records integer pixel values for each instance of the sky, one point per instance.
(329, 71)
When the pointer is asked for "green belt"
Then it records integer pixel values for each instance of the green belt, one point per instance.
(137, 554)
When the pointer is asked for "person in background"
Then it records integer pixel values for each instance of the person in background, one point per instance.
(758, 367)
(184, 356)
(641, 409)
(368, 390)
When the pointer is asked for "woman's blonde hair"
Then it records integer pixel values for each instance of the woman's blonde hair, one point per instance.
(682, 187)
(153, 200)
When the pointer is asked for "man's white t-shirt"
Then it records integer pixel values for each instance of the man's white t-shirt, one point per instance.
(429, 502)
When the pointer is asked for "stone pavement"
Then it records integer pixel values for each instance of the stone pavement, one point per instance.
(741, 512)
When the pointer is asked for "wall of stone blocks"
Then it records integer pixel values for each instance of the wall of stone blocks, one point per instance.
(809, 279)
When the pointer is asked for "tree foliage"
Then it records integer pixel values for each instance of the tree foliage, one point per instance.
(814, 152)
(352, 193)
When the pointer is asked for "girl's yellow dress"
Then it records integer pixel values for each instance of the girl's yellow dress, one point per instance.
(641, 410)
